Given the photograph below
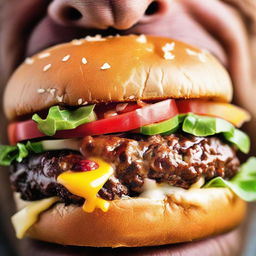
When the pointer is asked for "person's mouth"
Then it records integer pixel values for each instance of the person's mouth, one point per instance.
(178, 24)
(194, 22)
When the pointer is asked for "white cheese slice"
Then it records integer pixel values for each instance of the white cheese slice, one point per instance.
(153, 190)
(73, 144)
(29, 215)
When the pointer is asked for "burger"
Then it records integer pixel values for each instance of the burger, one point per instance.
(125, 141)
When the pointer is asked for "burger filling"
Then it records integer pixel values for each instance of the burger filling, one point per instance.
(93, 154)
(179, 160)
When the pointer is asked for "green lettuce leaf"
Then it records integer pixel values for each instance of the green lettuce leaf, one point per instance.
(36, 147)
(243, 184)
(168, 126)
(240, 139)
(8, 154)
(205, 126)
(200, 126)
(58, 119)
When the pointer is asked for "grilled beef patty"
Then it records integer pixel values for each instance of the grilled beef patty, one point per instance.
(179, 160)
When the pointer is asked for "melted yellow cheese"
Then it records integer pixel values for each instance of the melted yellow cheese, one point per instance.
(25, 218)
(198, 184)
(88, 184)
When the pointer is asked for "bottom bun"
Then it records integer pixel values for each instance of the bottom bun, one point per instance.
(133, 222)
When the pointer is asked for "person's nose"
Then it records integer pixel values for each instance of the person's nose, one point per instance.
(102, 14)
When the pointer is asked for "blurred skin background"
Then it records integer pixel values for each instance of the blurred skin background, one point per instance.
(225, 28)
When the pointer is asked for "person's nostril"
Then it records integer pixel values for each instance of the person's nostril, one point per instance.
(122, 15)
(153, 8)
(71, 13)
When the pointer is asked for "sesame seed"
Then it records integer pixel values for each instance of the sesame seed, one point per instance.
(121, 106)
(168, 47)
(142, 39)
(132, 97)
(40, 90)
(66, 58)
(84, 60)
(47, 67)
(29, 61)
(52, 91)
(169, 56)
(77, 42)
(85, 103)
(43, 55)
(105, 66)
(59, 98)
(94, 38)
(202, 57)
(80, 101)
(191, 52)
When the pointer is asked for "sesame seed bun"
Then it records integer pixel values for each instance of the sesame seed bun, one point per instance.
(114, 69)
(181, 217)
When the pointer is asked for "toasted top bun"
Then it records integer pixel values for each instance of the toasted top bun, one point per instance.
(182, 216)
(115, 69)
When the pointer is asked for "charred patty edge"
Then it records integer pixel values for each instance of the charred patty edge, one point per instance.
(179, 160)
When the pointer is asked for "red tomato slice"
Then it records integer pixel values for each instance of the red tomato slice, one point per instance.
(23, 131)
(120, 123)
(226, 111)
(125, 122)
(11, 130)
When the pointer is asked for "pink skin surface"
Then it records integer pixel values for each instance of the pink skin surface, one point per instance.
(28, 26)
(39, 24)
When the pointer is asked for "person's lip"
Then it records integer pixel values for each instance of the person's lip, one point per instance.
(47, 33)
